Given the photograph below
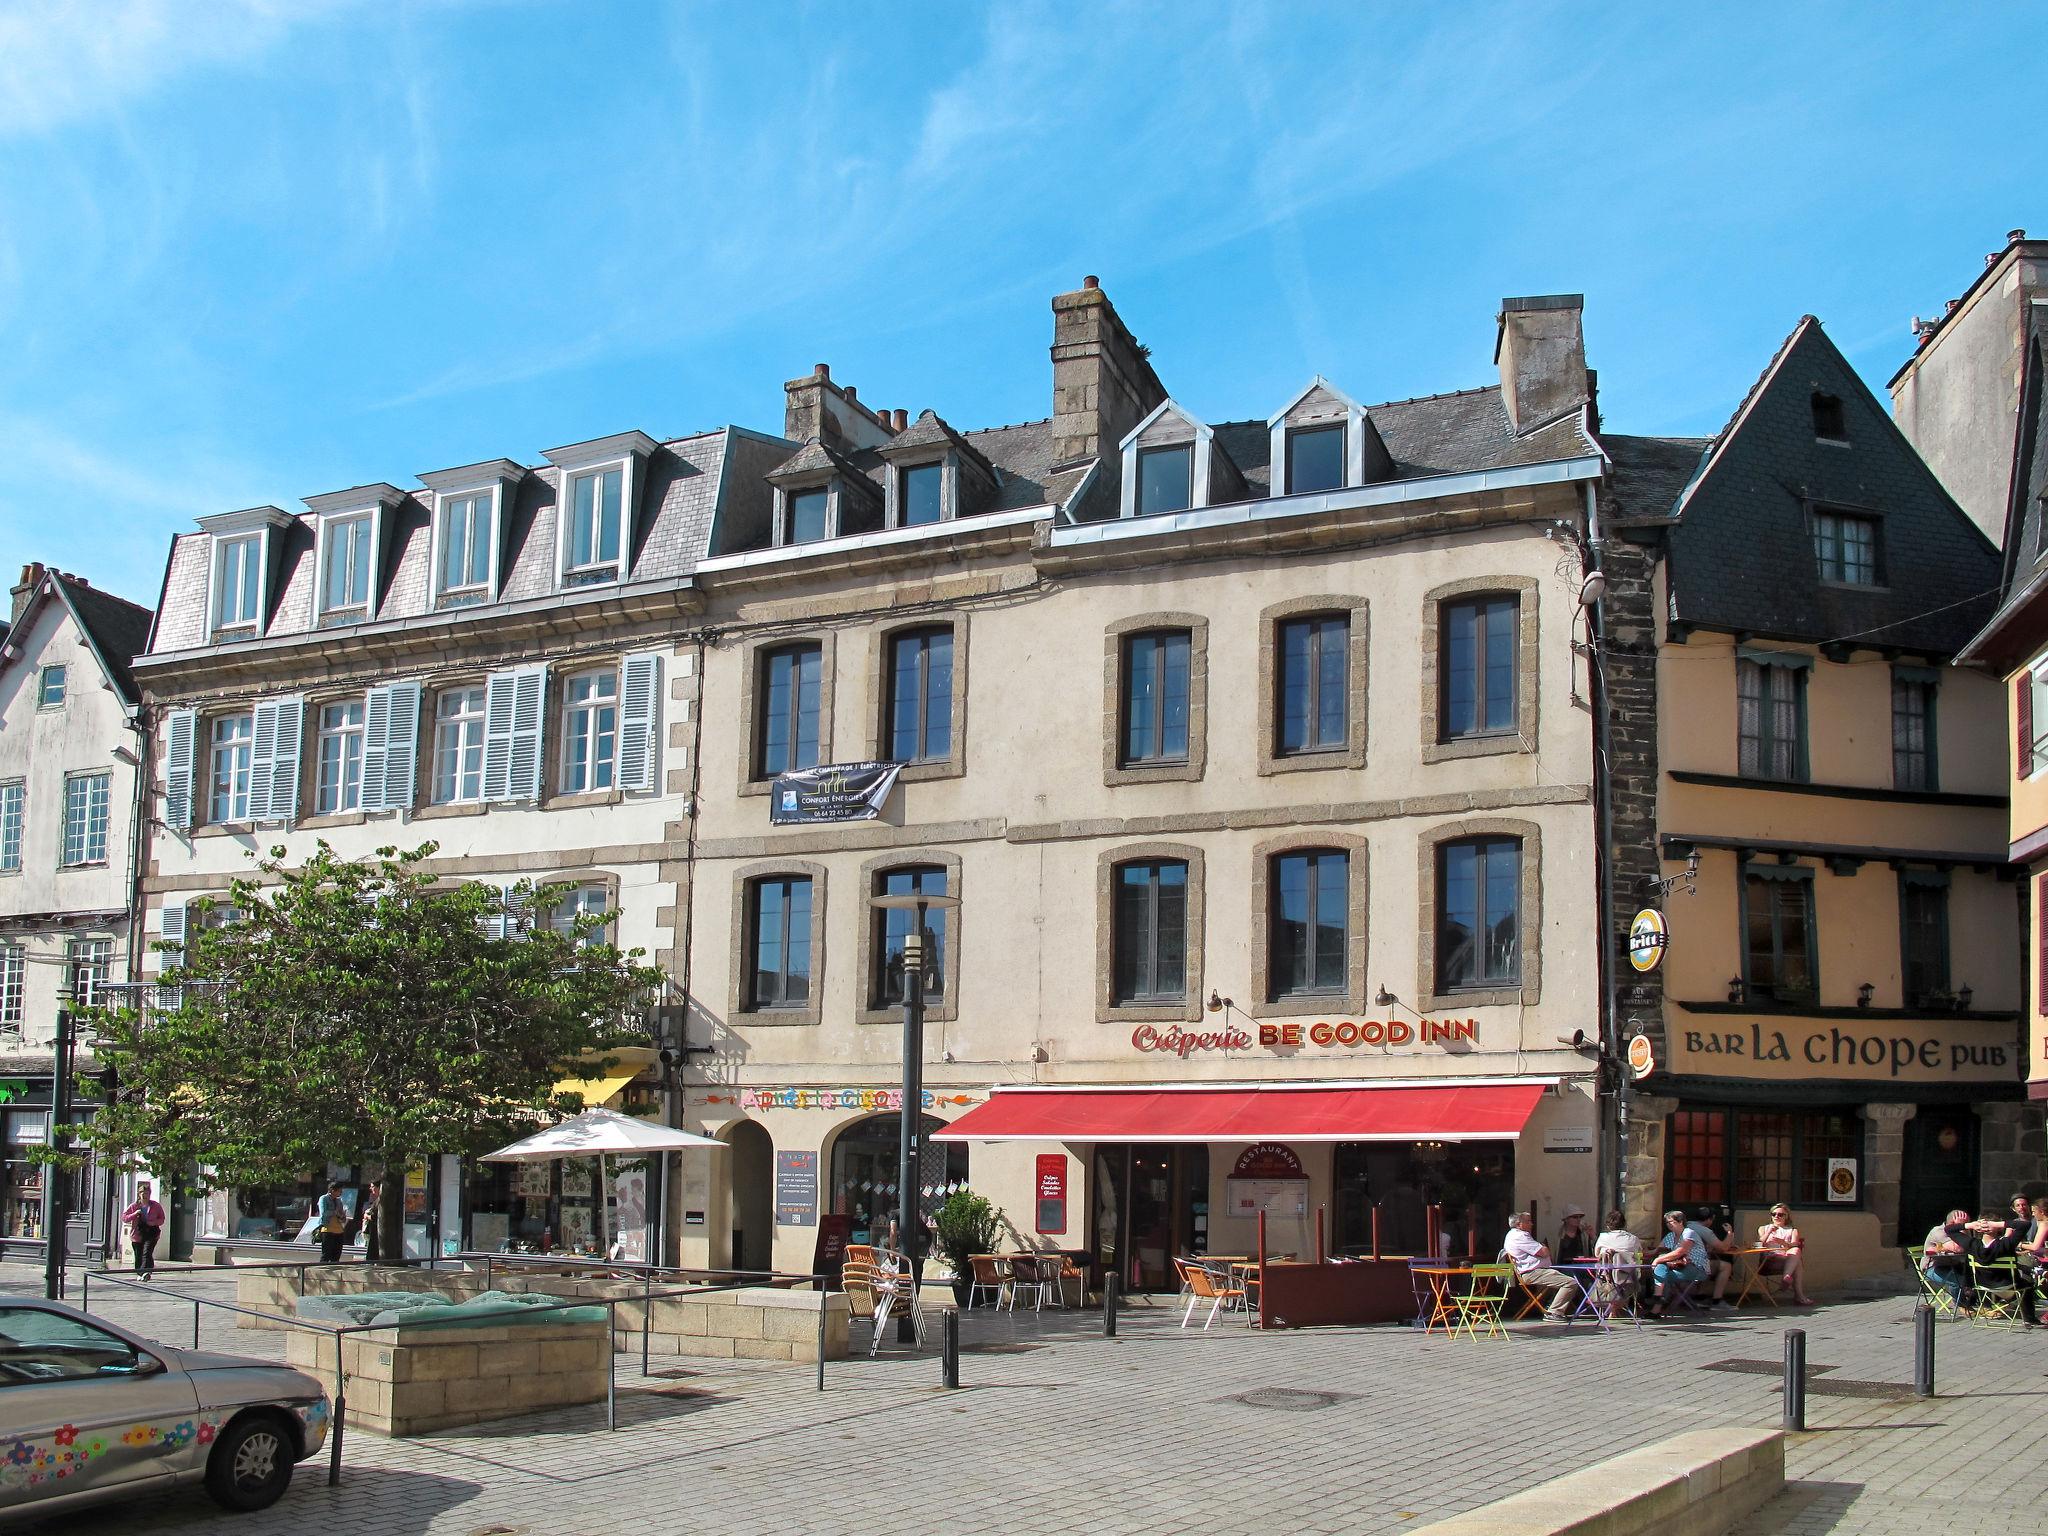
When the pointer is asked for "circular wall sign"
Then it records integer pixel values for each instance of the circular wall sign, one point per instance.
(1642, 1057)
(1646, 939)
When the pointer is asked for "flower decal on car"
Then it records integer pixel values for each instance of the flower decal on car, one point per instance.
(178, 1434)
(66, 1435)
(20, 1453)
(206, 1432)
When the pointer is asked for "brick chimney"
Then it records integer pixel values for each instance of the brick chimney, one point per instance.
(814, 406)
(1102, 382)
(31, 578)
(1541, 350)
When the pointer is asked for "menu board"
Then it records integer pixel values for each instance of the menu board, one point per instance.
(796, 1189)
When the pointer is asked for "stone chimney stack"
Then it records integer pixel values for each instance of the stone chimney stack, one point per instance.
(1541, 350)
(1102, 382)
(814, 406)
(31, 578)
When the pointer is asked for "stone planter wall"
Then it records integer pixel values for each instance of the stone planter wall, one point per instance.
(406, 1381)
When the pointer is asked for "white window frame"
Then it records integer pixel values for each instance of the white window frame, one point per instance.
(1284, 421)
(227, 532)
(246, 742)
(1201, 437)
(13, 824)
(93, 954)
(469, 723)
(13, 987)
(581, 574)
(226, 549)
(495, 481)
(89, 816)
(328, 544)
(2037, 749)
(482, 522)
(581, 724)
(582, 900)
(625, 452)
(62, 674)
(344, 802)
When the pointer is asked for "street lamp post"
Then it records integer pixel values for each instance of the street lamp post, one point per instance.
(910, 1123)
(54, 1179)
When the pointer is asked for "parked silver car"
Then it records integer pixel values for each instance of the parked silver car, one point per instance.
(91, 1412)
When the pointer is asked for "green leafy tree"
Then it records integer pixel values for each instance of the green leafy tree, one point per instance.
(361, 1010)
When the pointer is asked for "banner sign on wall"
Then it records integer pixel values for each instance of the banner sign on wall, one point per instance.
(1842, 1180)
(1268, 1160)
(835, 792)
(1646, 939)
(796, 1189)
(1051, 1187)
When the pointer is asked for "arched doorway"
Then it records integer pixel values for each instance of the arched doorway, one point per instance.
(753, 1196)
(864, 1169)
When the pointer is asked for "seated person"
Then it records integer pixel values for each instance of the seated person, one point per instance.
(1574, 1242)
(1719, 1251)
(1785, 1255)
(2029, 1261)
(1681, 1261)
(1942, 1254)
(1532, 1267)
(1617, 1245)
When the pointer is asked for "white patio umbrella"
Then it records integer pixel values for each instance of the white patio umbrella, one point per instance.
(599, 1133)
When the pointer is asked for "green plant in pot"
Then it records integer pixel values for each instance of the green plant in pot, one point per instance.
(965, 1225)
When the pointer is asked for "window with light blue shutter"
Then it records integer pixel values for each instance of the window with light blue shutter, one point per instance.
(181, 730)
(639, 720)
(513, 708)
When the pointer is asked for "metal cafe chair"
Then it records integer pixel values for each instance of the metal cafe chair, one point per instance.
(1945, 1302)
(1203, 1285)
(987, 1279)
(1996, 1302)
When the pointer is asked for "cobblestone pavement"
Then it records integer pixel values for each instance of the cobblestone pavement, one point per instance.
(1164, 1431)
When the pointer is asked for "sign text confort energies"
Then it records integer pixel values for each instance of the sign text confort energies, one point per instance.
(1175, 1041)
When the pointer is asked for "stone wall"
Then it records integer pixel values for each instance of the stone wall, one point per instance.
(406, 1381)
(1630, 655)
(2012, 1152)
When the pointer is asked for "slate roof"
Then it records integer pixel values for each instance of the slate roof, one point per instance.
(1740, 553)
(116, 629)
(2011, 634)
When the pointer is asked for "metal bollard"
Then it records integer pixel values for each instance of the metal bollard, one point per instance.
(824, 1301)
(1795, 1378)
(1109, 1306)
(949, 1351)
(1923, 1350)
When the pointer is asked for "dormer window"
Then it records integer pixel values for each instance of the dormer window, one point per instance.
(1827, 418)
(1315, 458)
(597, 504)
(922, 491)
(345, 568)
(237, 581)
(466, 544)
(470, 508)
(595, 511)
(807, 516)
(1165, 479)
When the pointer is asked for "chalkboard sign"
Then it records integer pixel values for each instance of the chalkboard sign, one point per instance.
(834, 1233)
(796, 1189)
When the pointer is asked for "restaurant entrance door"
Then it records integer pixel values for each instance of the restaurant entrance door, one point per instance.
(1151, 1206)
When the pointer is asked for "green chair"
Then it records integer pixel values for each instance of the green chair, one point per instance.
(1476, 1307)
(1940, 1297)
(1996, 1302)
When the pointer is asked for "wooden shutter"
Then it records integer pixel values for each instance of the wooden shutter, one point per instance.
(2023, 725)
(376, 733)
(284, 768)
(262, 757)
(513, 705)
(401, 747)
(639, 719)
(181, 730)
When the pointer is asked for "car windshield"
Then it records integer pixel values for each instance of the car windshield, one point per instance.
(36, 1345)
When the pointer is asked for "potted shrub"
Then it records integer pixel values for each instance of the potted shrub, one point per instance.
(964, 1226)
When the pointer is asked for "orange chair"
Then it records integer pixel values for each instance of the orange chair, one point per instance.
(1203, 1285)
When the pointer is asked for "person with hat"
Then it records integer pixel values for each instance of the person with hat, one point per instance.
(1574, 1242)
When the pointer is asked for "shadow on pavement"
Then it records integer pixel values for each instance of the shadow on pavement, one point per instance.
(1814, 1507)
(407, 1502)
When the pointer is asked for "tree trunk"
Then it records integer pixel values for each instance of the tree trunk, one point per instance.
(391, 1218)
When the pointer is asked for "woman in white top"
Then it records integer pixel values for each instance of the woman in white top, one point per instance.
(1784, 1248)
(1616, 1245)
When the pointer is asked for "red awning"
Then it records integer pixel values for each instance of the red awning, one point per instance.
(1465, 1112)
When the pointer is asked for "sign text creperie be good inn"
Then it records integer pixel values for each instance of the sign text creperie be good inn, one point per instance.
(1175, 1041)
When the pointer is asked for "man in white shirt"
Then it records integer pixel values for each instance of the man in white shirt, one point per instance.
(1532, 1267)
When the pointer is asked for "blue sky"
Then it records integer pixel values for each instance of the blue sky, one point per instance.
(252, 250)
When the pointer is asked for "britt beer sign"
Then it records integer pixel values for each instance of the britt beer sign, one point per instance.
(1321, 1035)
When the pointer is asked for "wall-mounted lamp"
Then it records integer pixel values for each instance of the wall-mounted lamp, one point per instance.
(1593, 588)
(1218, 1002)
(1734, 989)
(1963, 996)
(1863, 995)
(1383, 998)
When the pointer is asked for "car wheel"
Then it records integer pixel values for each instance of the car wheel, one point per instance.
(251, 1464)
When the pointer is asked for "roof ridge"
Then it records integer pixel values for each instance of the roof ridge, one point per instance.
(1444, 394)
(1008, 426)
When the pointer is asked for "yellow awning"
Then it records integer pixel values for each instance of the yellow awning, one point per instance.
(599, 1091)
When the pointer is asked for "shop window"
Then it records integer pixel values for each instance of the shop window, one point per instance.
(1155, 697)
(1913, 758)
(786, 730)
(1479, 666)
(1923, 937)
(1310, 921)
(866, 1163)
(892, 928)
(1479, 913)
(920, 699)
(779, 943)
(23, 1134)
(1151, 918)
(1314, 684)
(1744, 1156)
(1778, 935)
(1771, 717)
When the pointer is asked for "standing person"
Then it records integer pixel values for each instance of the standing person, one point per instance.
(372, 1209)
(144, 1219)
(1574, 1242)
(333, 1228)
(1532, 1267)
(1784, 1252)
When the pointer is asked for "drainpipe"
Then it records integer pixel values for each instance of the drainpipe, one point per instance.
(674, 1077)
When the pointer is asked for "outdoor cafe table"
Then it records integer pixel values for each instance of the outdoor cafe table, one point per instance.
(1586, 1274)
(1750, 1267)
(1437, 1308)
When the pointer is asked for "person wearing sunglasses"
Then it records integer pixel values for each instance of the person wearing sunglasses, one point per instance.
(1784, 1250)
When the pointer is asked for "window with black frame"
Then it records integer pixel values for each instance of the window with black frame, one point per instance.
(892, 928)
(1150, 932)
(778, 942)
(1155, 697)
(1309, 924)
(1478, 664)
(789, 703)
(1479, 913)
(919, 708)
(1923, 937)
(1314, 684)
(1778, 934)
(1913, 756)
(1771, 717)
